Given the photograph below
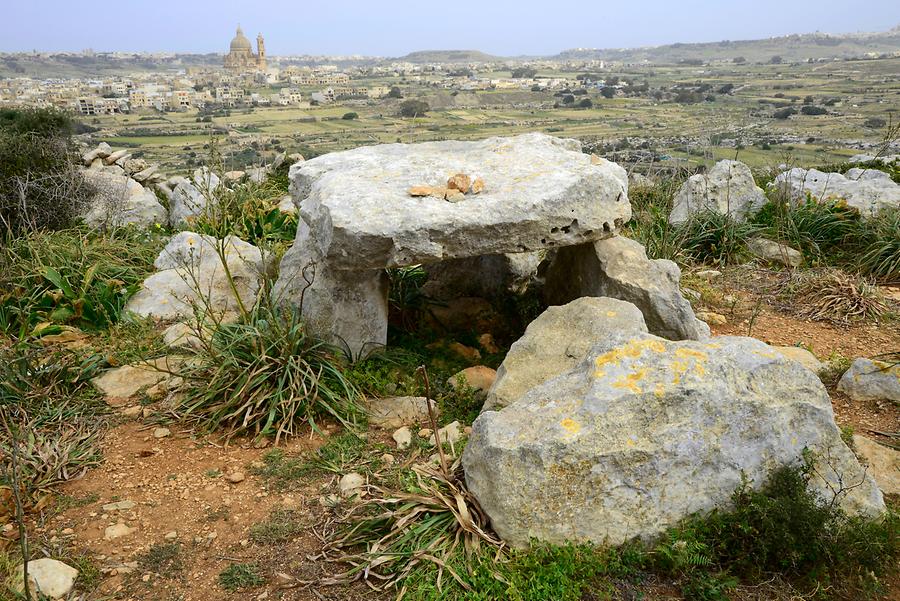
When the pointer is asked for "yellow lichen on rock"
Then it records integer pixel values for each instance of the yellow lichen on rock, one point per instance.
(570, 426)
(630, 381)
(632, 350)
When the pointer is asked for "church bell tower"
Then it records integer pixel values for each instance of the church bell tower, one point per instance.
(261, 53)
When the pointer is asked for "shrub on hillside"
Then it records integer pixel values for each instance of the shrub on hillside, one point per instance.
(413, 108)
(40, 185)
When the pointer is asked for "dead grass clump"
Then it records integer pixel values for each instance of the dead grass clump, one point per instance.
(835, 296)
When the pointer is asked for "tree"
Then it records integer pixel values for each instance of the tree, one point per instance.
(395, 93)
(524, 73)
(784, 113)
(874, 123)
(607, 92)
(568, 99)
(739, 60)
(776, 60)
(809, 109)
(586, 103)
(350, 116)
(413, 108)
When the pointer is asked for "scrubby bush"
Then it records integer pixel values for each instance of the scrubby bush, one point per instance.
(785, 528)
(813, 110)
(40, 185)
(414, 108)
(350, 116)
(265, 375)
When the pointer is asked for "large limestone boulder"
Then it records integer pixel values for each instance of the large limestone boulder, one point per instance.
(358, 218)
(858, 173)
(556, 342)
(618, 267)
(644, 432)
(868, 195)
(190, 199)
(192, 275)
(883, 463)
(727, 188)
(868, 380)
(119, 200)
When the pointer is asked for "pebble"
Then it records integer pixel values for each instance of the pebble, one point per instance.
(235, 477)
(403, 438)
(352, 484)
(171, 535)
(161, 432)
(119, 506)
(117, 531)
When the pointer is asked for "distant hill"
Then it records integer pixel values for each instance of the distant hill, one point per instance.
(798, 47)
(97, 65)
(448, 56)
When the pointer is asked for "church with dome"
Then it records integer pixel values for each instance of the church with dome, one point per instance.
(240, 57)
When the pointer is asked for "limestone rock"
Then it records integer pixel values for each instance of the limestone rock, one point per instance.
(352, 484)
(181, 335)
(49, 577)
(120, 506)
(867, 195)
(122, 383)
(119, 200)
(774, 252)
(191, 273)
(286, 205)
(801, 356)
(858, 174)
(394, 412)
(644, 432)
(102, 151)
(205, 179)
(868, 380)
(728, 188)
(357, 218)
(618, 267)
(233, 176)
(142, 176)
(883, 463)
(115, 156)
(712, 318)
(556, 341)
(403, 437)
(451, 433)
(478, 378)
(478, 186)
(134, 166)
(118, 530)
(187, 203)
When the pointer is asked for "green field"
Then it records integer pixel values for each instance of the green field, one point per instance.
(857, 90)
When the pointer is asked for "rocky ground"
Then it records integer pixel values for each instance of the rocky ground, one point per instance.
(170, 510)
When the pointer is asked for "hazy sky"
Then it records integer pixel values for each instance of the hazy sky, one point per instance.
(393, 28)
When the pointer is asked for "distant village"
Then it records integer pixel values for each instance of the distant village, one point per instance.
(249, 78)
